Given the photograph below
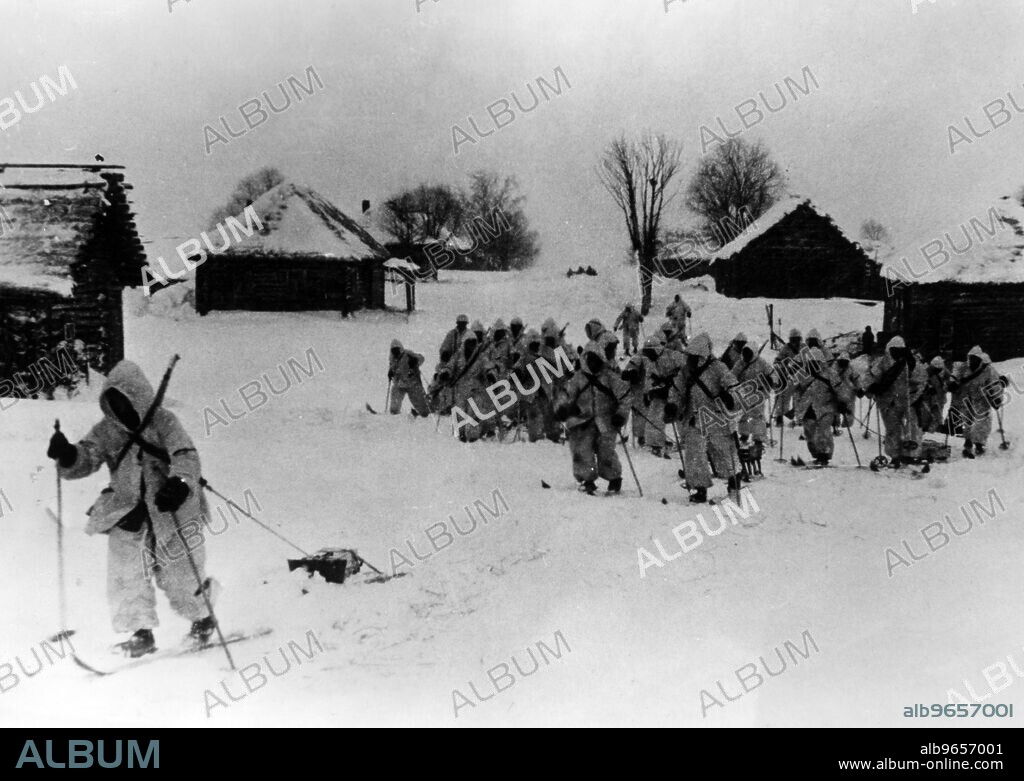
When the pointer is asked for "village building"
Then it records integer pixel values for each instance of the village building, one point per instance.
(963, 289)
(794, 250)
(308, 255)
(68, 248)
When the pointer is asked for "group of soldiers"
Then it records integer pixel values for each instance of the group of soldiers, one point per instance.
(716, 408)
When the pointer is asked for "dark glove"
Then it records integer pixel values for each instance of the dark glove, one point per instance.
(632, 375)
(874, 389)
(727, 400)
(671, 411)
(618, 420)
(842, 408)
(563, 412)
(172, 495)
(860, 393)
(659, 392)
(414, 363)
(391, 375)
(790, 414)
(953, 385)
(61, 450)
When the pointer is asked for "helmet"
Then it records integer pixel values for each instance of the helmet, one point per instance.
(462, 319)
(813, 334)
(517, 321)
(795, 334)
(396, 344)
(700, 345)
(499, 325)
(938, 363)
(741, 337)
(668, 327)
(477, 326)
(594, 328)
(896, 342)
(976, 350)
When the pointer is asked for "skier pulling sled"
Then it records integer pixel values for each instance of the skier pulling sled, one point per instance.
(154, 479)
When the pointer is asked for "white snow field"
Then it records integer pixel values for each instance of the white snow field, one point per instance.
(553, 567)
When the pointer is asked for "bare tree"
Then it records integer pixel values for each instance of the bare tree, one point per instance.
(248, 189)
(875, 235)
(737, 181)
(497, 223)
(639, 176)
(427, 212)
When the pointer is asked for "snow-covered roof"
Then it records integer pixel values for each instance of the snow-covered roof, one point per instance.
(403, 264)
(772, 217)
(372, 222)
(49, 213)
(297, 221)
(992, 244)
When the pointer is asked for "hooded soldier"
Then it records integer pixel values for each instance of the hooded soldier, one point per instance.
(472, 375)
(153, 498)
(888, 383)
(404, 376)
(821, 398)
(672, 338)
(635, 373)
(814, 340)
(979, 389)
(452, 342)
(499, 352)
(536, 405)
(629, 321)
(933, 398)
(516, 337)
(594, 406)
(753, 374)
(788, 363)
(701, 400)
(679, 312)
(734, 350)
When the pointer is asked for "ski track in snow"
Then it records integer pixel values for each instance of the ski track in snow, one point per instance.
(327, 473)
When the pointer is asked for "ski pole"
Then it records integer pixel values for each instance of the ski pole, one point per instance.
(203, 589)
(250, 516)
(679, 448)
(854, 443)
(387, 399)
(62, 597)
(1004, 445)
(782, 440)
(629, 460)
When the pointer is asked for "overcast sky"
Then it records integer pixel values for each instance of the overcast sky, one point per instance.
(871, 141)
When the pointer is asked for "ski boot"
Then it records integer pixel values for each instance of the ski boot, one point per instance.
(614, 486)
(822, 461)
(979, 450)
(202, 630)
(699, 496)
(656, 451)
(735, 482)
(139, 644)
(588, 487)
(896, 463)
(968, 452)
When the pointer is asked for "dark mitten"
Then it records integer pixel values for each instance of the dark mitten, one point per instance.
(61, 450)
(618, 420)
(671, 411)
(172, 495)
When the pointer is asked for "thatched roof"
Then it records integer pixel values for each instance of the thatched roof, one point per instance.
(772, 217)
(988, 248)
(50, 222)
(299, 222)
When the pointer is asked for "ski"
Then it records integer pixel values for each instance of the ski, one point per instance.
(171, 653)
(370, 409)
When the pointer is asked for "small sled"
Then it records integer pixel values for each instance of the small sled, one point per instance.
(333, 564)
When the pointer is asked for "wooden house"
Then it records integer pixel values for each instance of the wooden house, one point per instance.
(974, 297)
(795, 251)
(68, 248)
(308, 255)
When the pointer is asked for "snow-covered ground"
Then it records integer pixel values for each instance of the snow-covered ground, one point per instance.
(553, 567)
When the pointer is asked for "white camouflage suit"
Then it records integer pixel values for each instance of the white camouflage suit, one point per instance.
(139, 476)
